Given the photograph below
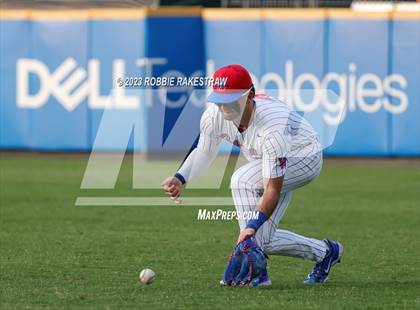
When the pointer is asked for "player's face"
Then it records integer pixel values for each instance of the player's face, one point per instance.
(233, 111)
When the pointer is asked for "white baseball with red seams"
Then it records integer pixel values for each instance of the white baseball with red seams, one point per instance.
(147, 276)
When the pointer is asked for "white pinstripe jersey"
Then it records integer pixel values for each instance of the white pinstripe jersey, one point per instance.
(275, 135)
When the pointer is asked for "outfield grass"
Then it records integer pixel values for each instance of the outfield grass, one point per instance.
(54, 255)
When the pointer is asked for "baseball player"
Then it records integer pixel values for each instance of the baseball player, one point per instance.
(283, 153)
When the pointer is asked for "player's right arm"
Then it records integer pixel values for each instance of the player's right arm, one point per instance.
(198, 160)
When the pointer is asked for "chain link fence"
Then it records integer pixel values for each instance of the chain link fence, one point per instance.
(296, 3)
(53, 4)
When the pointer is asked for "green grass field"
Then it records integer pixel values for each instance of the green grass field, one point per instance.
(57, 256)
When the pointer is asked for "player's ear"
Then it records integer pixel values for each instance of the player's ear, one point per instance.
(251, 94)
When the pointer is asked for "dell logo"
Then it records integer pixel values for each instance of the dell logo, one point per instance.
(70, 85)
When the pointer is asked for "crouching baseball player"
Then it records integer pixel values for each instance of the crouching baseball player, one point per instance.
(283, 153)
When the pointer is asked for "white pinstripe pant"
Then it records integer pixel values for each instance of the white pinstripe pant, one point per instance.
(247, 187)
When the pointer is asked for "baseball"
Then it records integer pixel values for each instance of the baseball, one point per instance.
(147, 276)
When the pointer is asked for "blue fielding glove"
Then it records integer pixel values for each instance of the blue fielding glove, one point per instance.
(247, 265)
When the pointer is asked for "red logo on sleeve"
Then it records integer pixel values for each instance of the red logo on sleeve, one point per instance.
(281, 162)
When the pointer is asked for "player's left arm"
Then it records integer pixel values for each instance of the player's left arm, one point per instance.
(266, 206)
(273, 170)
(270, 198)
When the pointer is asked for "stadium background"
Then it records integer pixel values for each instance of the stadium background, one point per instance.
(368, 59)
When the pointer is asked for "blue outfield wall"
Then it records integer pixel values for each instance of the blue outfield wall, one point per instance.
(404, 130)
(58, 74)
(360, 48)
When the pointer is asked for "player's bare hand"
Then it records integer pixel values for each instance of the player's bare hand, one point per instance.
(245, 234)
(172, 187)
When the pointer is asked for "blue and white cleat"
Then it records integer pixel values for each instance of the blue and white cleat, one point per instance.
(321, 270)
